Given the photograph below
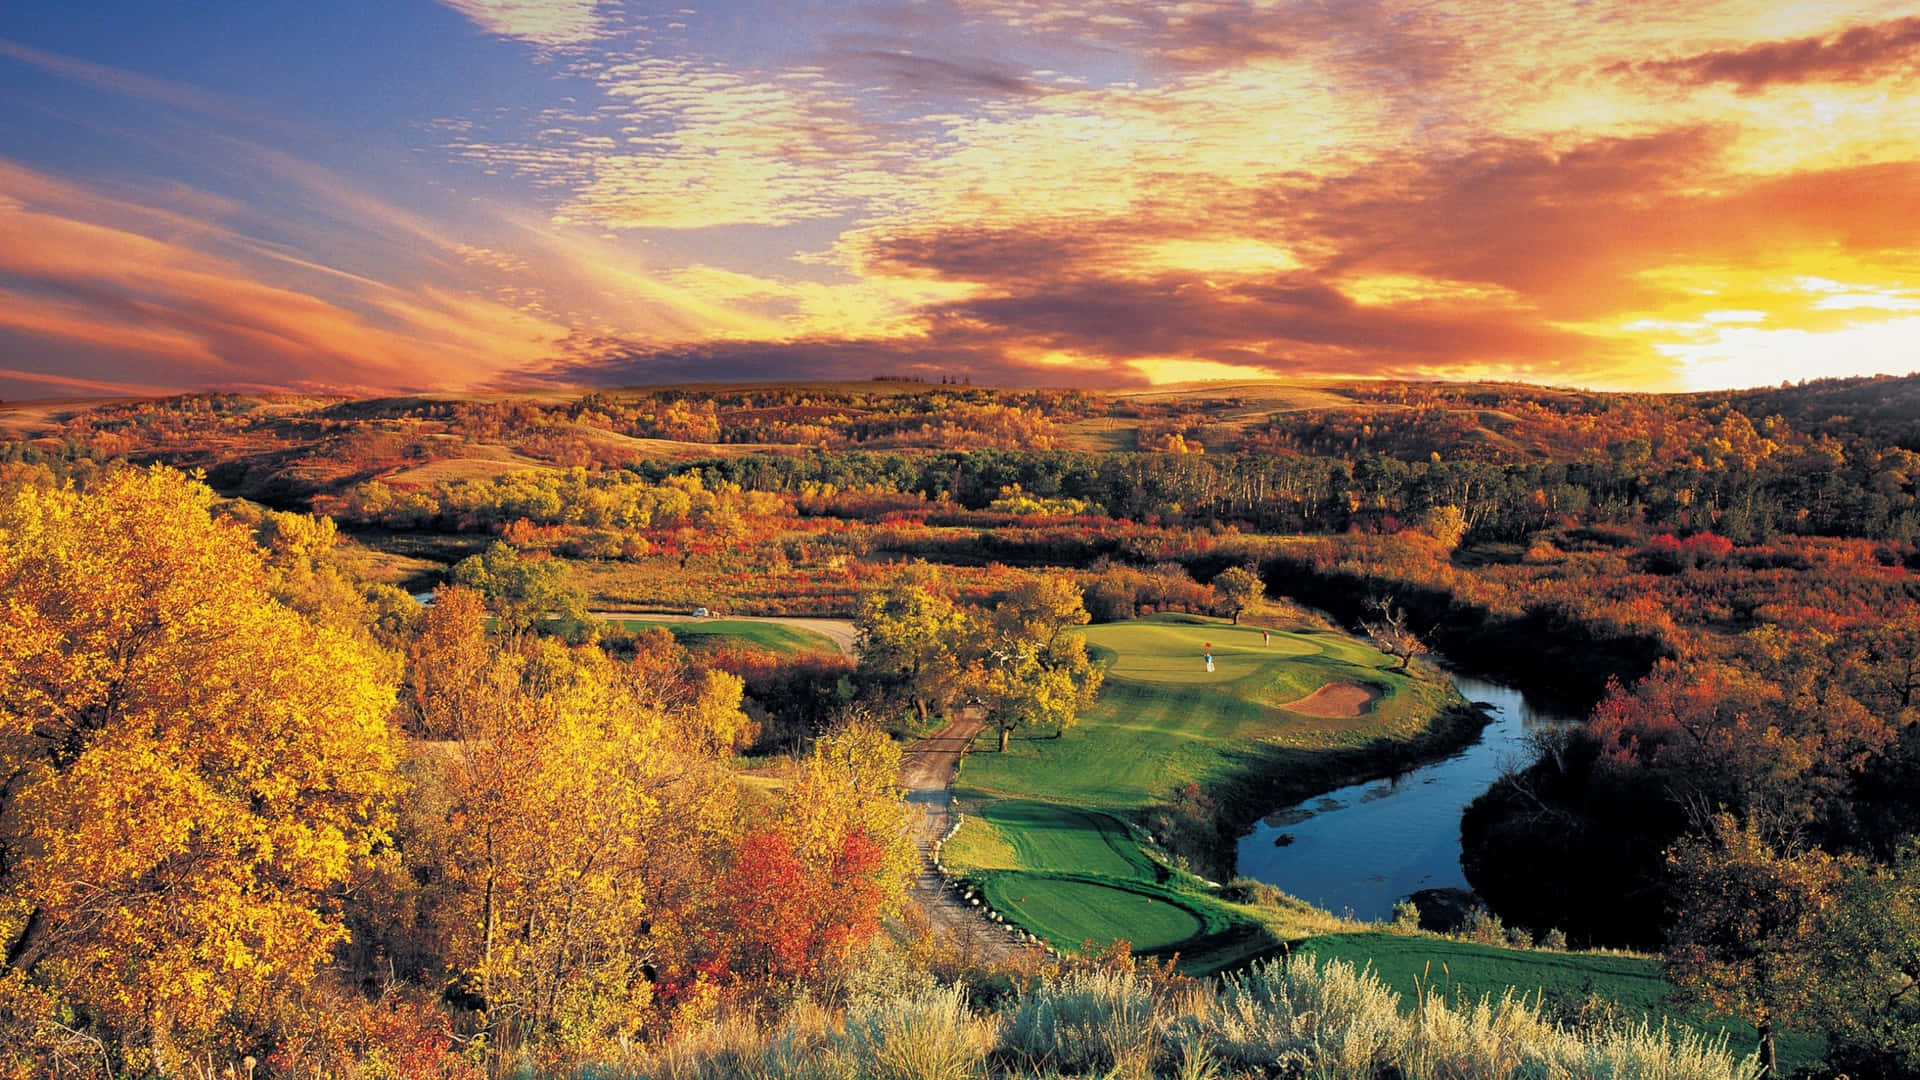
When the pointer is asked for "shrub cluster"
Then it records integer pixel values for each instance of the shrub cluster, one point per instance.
(1295, 1019)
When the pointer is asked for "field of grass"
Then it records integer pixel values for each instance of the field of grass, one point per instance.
(1162, 720)
(1053, 842)
(772, 637)
(1465, 969)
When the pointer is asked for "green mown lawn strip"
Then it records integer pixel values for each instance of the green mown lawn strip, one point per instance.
(774, 637)
(1073, 911)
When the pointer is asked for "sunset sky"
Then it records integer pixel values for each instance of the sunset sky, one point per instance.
(372, 195)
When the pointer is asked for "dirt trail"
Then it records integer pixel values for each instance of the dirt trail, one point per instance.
(838, 631)
(926, 771)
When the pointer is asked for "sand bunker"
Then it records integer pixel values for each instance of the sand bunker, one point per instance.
(1340, 699)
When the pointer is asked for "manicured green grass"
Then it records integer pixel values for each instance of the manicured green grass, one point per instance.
(1074, 912)
(773, 637)
(1054, 839)
(1459, 968)
(1050, 843)
(1163, 720)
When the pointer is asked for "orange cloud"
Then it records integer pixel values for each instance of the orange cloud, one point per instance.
(121, 286)
(1857, 54)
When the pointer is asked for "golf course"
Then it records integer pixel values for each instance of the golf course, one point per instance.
(1056, 838)
(1055, 842)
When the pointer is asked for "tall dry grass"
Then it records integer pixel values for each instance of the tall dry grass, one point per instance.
(1298, 1020)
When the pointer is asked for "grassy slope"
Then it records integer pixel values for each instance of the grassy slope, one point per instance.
(1052, 844)
(1458, 968)
(1162, 721)
(773, 637)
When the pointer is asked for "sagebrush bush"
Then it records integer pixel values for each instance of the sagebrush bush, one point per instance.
(1406, 917)
(1084, 1021)
(930, 1036)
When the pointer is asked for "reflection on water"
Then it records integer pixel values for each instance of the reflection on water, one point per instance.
(1362, 847)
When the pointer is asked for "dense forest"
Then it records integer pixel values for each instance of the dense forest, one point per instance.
(496, 830)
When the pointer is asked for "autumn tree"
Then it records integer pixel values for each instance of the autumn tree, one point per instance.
(194, 768)
(1022, 683)
(562, 831)
(1776, 738)
(1743, 938)
(447, 663)
(1041, 606)
(910, 636)
(850, 783)
(802, 891)
(704, 700)
(1445, 524)
(1239, 587)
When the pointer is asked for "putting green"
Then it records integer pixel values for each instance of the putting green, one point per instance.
(1072, 912)
(1162, 721)
(1173, 653)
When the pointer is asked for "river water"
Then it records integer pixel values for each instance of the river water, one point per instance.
(1356, 850)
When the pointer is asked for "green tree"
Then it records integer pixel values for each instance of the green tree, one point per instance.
(1023, 683)
(522, 592)
(1868, 993)
(1743, 937)
(1239, 587)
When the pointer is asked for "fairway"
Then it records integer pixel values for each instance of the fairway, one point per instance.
(1052, 841)
(1042, 837)
(1162, 720)
(770, 636)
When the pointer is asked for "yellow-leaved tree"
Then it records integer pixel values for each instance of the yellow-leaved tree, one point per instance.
(192, 769)
(564, 819)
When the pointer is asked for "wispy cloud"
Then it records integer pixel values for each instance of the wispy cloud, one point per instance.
(550, 23)
(122, 283)
(132, 85)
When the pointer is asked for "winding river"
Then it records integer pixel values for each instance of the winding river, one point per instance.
(1356, 850)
